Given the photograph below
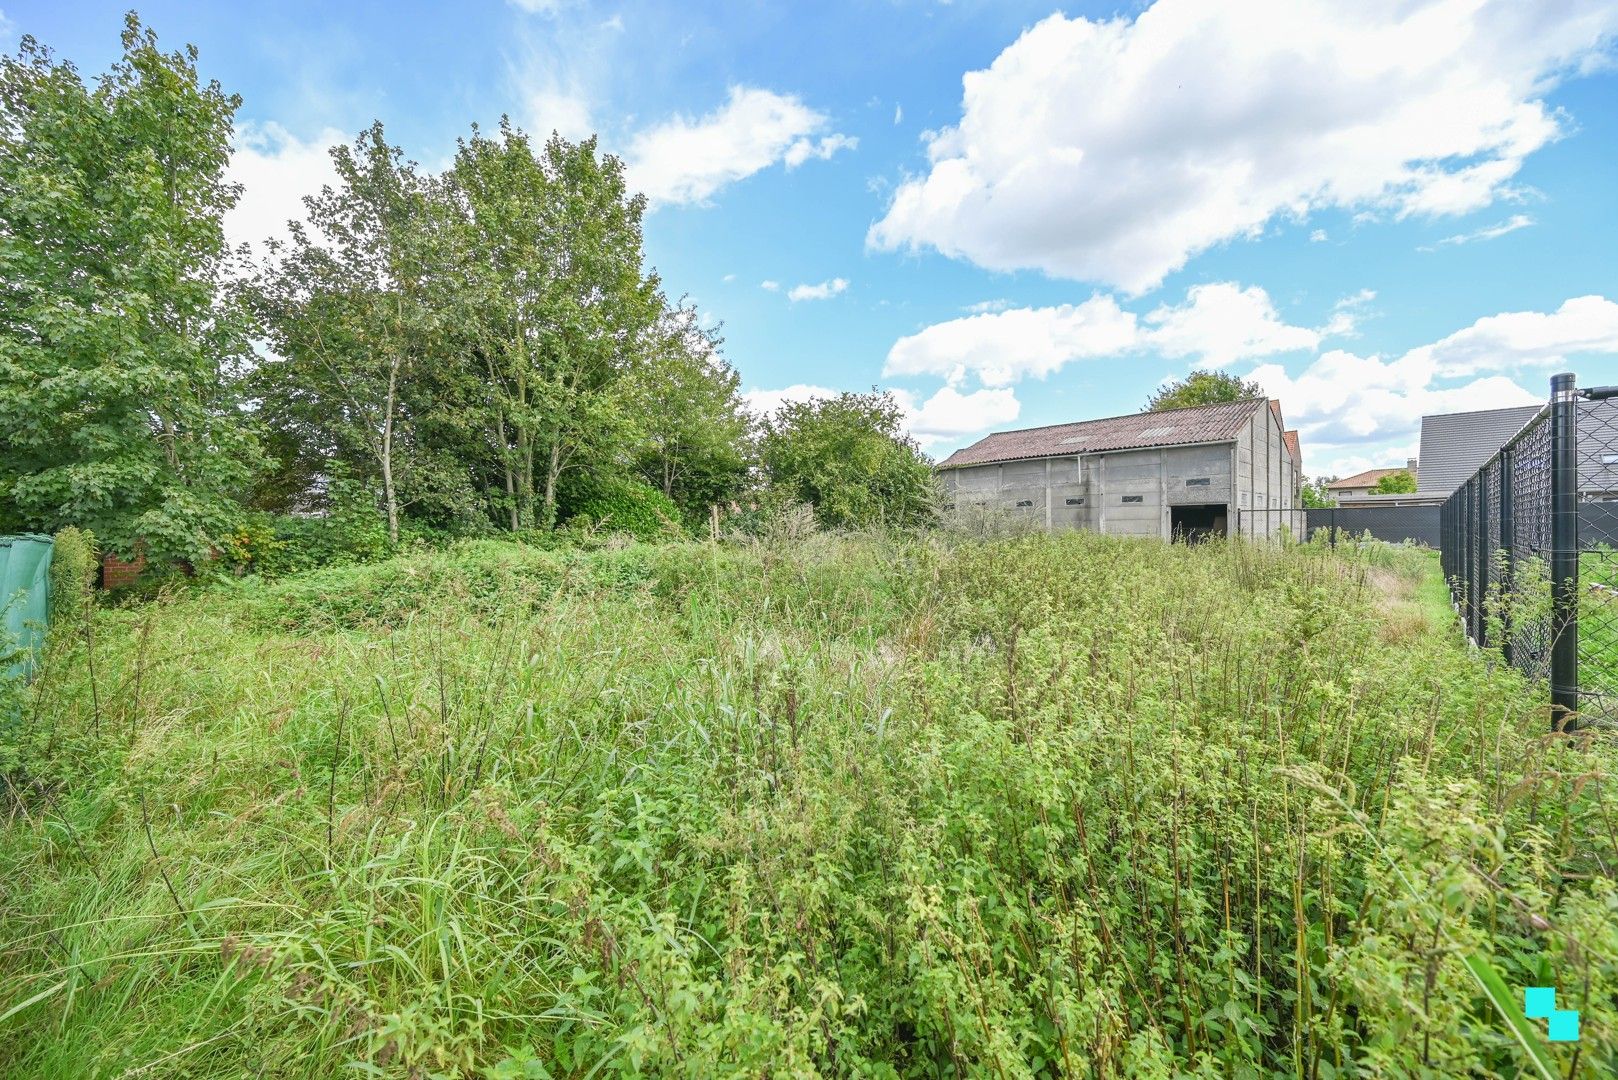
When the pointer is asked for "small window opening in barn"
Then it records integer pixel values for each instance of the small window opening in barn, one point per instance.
(1025, 502)
(1609, 459)
(1194, 524)
(1199, 481)
(1075, 502)
(1134, 498)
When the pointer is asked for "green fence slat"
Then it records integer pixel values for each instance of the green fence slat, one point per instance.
(25, 601)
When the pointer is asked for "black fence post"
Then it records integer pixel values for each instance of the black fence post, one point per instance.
(1483, 559)
(1564, 550)
(1508, 556)
(1469, 557)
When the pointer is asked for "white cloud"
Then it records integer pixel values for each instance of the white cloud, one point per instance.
(764, 403)
(7, 29)
(1222, 323)
(687, 160)
(1347, 313)
(949, 414)
(1001, 348)
(983, 306)
(823, 148)
(728, 278)
(540, 7)
(823, 291)
(276, 170)
(1116, 150)
(1218, 324)
(1516, 339)
(1343, 400)
(1344, 403)
(1488, 232)
(898, 114)
(1318, 236)
(559, 105)
(770, 286)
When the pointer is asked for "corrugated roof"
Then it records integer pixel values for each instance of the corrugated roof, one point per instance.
(1137, 431)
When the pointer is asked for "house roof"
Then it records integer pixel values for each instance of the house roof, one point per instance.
(1137, 431)
(1368, 478)
(1291, 440)
(1454, 445)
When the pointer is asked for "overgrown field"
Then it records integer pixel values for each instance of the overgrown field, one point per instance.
(1040, 806)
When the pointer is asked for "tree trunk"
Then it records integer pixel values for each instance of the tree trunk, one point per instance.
(389, 496)
(505, 463)
(552, 470)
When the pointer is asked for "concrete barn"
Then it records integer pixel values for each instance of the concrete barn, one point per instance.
(1179, 473)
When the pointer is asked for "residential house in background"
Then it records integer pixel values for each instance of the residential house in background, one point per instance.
(1364, 483)
(1180, 473)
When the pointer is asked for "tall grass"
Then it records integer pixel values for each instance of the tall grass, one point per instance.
(1029, 806)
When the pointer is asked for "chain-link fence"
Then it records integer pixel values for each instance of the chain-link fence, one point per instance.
(1528, 550)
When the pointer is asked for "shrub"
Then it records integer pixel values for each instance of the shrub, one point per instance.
(617, 504)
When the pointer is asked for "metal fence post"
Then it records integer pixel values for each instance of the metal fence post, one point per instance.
(1483, 556)
(1508, 543)
(1564, 550)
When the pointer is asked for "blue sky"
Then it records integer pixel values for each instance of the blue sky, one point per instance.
(1012, 214)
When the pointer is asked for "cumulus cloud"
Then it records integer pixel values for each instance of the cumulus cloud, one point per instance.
(764, 403)
(1343, 400)
(688, 159)
(770, 286)
(1004, 347)
(950, 415)
(276, 170)
(823, 291)
(1115, 150)
(1217, 324)
(1516, 339)
(1222, 323)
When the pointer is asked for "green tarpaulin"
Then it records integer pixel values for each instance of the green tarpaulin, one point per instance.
(25, 601)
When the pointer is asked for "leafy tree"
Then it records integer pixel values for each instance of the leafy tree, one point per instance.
(120, 352)
(350, 313)
(694, 427)
(847, 457)
(1396, 483)
(557, 306)
(1202, 388)
(1315, 495)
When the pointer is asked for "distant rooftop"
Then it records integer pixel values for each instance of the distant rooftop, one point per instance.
(1368, 478)
(1136, 431)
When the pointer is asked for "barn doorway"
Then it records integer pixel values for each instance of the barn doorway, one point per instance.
(1194, 524)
